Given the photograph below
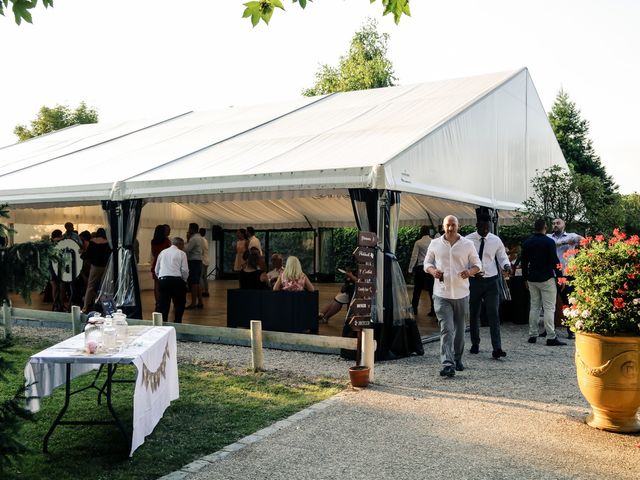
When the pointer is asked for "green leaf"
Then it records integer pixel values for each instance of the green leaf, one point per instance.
(277, 3)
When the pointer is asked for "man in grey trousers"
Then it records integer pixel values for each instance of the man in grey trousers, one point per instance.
(451, 259)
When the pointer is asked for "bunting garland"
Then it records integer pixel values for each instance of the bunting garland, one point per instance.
(152, 379)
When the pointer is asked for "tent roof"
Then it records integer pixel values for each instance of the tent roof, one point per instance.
(450, 144)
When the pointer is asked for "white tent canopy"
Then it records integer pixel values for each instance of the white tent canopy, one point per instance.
(450, 145)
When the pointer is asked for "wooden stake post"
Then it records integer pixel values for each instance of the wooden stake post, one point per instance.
(365, 290)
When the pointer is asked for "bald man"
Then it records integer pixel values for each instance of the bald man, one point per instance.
(451, 259)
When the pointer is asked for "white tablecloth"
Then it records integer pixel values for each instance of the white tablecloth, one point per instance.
(152, 350)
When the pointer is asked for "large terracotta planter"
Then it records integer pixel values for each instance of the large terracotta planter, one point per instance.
(608, 371)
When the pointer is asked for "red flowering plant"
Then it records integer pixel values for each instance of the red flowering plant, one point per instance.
(606, 281)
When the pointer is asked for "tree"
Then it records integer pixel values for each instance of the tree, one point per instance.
(255, 10)
(631, 209)
(572, 132)
(52, 119)
(555, 195)
(365, 66)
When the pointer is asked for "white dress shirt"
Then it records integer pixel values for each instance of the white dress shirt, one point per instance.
(419, 252)
(205, 251)
(255, 242)
(493, 248)
(452, 260)
(172, 262)
(565, 241)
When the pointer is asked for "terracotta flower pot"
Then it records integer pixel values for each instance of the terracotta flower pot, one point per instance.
(359, 376)
(608, 370)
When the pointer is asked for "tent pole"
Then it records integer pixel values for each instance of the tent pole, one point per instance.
(382, 206)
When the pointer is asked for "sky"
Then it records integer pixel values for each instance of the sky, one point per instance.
(136, 59)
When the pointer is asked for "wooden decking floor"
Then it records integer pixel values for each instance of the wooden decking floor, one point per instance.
(215, 307)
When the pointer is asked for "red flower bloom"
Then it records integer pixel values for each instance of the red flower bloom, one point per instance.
(599, 238)
(618, 234)
(586, 269)
(634, 240)
(585, 241)
(631, 276)
(618, 303)
(562, 281)
(613, 241)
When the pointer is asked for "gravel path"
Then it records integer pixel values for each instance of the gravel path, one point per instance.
(518, 418)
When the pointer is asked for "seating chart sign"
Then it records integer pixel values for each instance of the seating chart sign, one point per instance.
(365, 255)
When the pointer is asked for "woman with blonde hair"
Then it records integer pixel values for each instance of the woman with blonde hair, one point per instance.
(293, 279)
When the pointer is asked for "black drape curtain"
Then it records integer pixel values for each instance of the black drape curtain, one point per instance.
(120, 282)
(396, 333)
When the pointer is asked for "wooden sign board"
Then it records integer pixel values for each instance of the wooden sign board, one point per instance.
(366, 272)
(361, 306)
(358, 322)
(364, 254)
(367, 239)
(364, 290)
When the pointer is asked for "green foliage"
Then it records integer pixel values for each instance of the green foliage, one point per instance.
(298, 243)
(365, 66)
(603, 211)
(572, 133)
(12, 415)
(23, 267)
(606, 277)
(21, 8)
(555, 195)
(631, 210)
(514, 234)
(52, 119)
(345, 241)
(263, 9)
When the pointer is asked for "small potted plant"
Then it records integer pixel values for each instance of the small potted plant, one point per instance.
(604, 313)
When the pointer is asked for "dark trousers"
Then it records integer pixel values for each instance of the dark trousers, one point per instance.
(421, 281)
(485, 289)
(172, 289)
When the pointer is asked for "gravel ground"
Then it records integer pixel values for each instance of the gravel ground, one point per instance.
(517, 418)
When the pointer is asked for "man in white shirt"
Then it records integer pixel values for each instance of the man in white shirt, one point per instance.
(254, 242)
(564, 241)
(204, 277)
(485, 286)
(451, 259)
(421, 281)
(172, 271)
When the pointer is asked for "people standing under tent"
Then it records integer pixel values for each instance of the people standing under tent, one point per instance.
(172, 270)
(204, 279)
(540, 269)
(159, 242)
(98, 253)
(85, 238)
(71, 234)
(194, 249)
(421, 280)
(564, 241)
(484, 286)
(242, 245)
(293, 279)
(452, 260)
(56, 291)
(254, 242)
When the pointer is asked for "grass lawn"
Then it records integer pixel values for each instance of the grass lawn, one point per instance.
(217, 406)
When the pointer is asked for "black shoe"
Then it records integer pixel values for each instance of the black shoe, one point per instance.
(447, 371)
(554, 343)
(532, 339)
(498, 353)
(459, 366)
(543, 334)
(570, 335)
(474, 349)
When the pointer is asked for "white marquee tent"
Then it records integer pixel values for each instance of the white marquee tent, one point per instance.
(449, 146)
